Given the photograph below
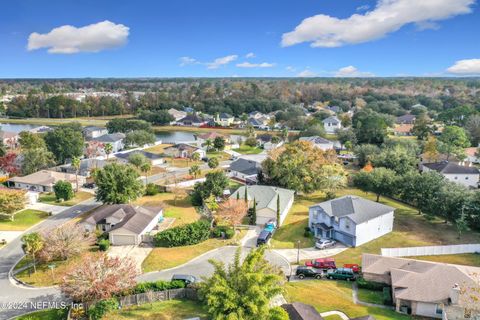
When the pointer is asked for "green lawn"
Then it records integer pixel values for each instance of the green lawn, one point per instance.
(329, 295)
(469, 259)
(23, 220)
(370, 296)
(167, 310)
(244, 149)
(49, 314)
(220, 155)
(80, 196)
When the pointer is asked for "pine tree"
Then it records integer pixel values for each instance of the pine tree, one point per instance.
(238, 195)
(245, 197)
(278, 211)
(254, 212)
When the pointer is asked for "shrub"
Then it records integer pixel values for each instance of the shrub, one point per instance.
(307, 233)
(158, 286)
(101, 308)
(63, 190)
(223, 230)
(151, 189)
(229, 233)
(189, 234)
(370, 285)
(103, 245)
(387, 296)
(251, 142)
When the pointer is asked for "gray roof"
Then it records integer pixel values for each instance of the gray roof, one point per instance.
(135, 218)
(406, 118)
(86, 165)
(148, 155)
(356, 208)
(451, 168)
(224, 115)
(301, 311)
(332, 119)
(316, 140)
(110, 137)
(254, 122)
(266, 196)
(247, 167)
(93, 128)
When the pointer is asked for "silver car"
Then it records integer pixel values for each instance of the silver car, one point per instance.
(324, 243)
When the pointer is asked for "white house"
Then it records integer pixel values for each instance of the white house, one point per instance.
(351, 220)
(224, 119)
(331, 124)
(176, 114)
(125, 224)
(467, 176)
(319, 142)
(115, 139)
(44, 180)
(471, 154)
(91, 132)
(267, 199)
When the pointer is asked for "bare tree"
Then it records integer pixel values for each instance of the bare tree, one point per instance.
(232, 211)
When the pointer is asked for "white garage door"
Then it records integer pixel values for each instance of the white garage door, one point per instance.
(122, 240)
(262, 220)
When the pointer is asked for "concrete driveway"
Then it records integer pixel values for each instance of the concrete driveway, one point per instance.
(47, 207)
(310, 253)
(136, 253)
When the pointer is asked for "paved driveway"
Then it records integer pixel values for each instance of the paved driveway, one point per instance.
(310, 253)
(136, 253)
(47, 207)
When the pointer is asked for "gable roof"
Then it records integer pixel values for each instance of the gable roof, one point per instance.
(224, 115)
(110, 137)
(182, 146)
(210, 135)
(332, 119)
(8, 134)
(451, 168)
(148, 155)
(406, 118)
(356, 208)
(192, 118)
(266, 196)
(245, 166)
(301, 311)
(45, 178)
(177, 114)
(403, 128)
(254, 122)
(316, 140)
(93, 128)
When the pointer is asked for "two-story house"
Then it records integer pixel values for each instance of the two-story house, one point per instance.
(319, 142)
(332, 124)
(351, 220)
(465, 175)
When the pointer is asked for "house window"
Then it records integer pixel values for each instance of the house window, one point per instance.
(455, 178)
(438, 309)
(347, 225)
(466, 178)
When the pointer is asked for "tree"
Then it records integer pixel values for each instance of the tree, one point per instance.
(397, 159)
(301, 167)
(137, 160)
(253, 217)
(3, 149)
(65, 241)
(30, 140)
(194, 170)
(244, 289)
(117, 184)
(430, 151)
(215, 183)
(195, 156)
(421, 190)
(11, 201)
(32, 245)
(63, 190)
(94, 149)
(159, 117)
(453, 140)
(8, 163)
(209, 144)
(346, 136)
(422, 127)
(365, 153)
(65, 142)
(139, 138)
(98, 277)
(145, 168)
(35, 159)
(232, 211)
(108, 148)
(219, 143)
(380, 181)
(472, 126)
(278, 211)
(369, 127)
(313, 130)
(213, 163)
(125, 125)
(76, 165)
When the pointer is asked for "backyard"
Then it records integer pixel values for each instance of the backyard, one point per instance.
(244, 149)
(80, 196)
(23, 220)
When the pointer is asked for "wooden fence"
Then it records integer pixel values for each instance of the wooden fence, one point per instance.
(153, 296)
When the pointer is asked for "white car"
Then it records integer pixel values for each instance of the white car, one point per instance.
(324, 243)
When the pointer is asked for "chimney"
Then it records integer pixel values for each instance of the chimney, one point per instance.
(455, 294)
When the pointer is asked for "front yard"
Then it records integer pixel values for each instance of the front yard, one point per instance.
(326, 295)
(23, 220)
(48, 314)
(244, 149)
(80, 196)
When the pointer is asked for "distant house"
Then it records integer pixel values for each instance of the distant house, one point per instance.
(115, 139)
(403, 129)
(319, 142)
(256, 115)
(183, 150)
(351, 220)
(92, 132)
(10, 139)
(331, 124)
(471, 154)
(224, 119)
(125, 224)
(41, 129)
(334, 109)
(301, 311)
(176, 114)
(188, 109)
(44, 180)
(191, 120)
(468, 176)
(245, 170)
(266, 142)
(86, 167)
(255, 122)
(422, 288)
(202, 138)
(266, 201)
(154, 158)
(406, 119)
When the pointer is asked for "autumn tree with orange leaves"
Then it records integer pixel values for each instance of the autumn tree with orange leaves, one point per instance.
(232, 211)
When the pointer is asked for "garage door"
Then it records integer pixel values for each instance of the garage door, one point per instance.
(262, 220)
(345, 239)
(122, 240)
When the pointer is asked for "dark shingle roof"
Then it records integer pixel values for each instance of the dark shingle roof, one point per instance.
(301, 311)
(332, 119)
(316, 140)
(247, 167)
(148, 155)
(356, 208)
(192, 118)
(451, 168)
(406, 118)
(110, 137)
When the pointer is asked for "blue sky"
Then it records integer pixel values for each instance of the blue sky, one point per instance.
(185, 37)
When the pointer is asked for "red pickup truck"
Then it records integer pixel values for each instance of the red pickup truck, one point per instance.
(325, 263)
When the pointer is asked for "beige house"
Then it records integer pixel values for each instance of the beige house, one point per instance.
(44, 180)
(421, 288)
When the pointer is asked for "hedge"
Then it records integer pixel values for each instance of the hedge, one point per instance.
(101, 308)
(103, 245)
(219, 230)
(158, 286)
(151, 189)
(370, 285)
(387, 296)
(189, 234)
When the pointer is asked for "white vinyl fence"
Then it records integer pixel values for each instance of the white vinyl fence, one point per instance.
(431, 250)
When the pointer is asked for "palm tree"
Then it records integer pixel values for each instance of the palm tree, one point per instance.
(76, 165)
(208, 143)
(32, 244)
(194, 170)
(145, 168)
(195, 156)
(108, 149)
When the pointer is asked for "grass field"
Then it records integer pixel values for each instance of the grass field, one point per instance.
(165, 258)
(79, 197)
(244, 149)
(370, 296)
(23, 220)
(44, 277)
(158, 149)
(181, 209)
(221, 155)
(334, 295)
(469, 259)
(49, 314)
(167, 310)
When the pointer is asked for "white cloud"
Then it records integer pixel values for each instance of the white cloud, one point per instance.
(306, 74)
(250, 55)
(466, 67)
(255, 65)
(291, 69)
(388, 16)
(91, 38)
(185, 61)
(351, 71)
(363, 8)
(215, 64)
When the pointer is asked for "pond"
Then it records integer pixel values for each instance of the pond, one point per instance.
(15, 127)
(175, 136)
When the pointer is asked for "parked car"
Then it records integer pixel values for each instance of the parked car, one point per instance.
(308, 272)
(263, 237)
(355, 267)
(341, 274)
(188, 279)
(89, 185)
(324, 264)
(324, 243)
(270, 227)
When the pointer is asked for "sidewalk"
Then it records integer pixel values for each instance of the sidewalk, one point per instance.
(310, 253)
